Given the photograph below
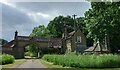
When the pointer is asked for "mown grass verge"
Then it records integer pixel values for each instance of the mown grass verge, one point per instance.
(85, 61)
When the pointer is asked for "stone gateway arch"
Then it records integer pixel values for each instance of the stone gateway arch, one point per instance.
(17, 46)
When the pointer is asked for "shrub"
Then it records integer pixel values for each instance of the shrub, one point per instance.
(85, 61)
(6, 59)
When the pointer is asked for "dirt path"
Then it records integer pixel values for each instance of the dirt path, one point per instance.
(30, 63)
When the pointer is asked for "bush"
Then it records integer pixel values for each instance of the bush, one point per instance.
(6, 59)
(85, 61)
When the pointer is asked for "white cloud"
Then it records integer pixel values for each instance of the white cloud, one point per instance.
(43, 15)
(8, 3)
(25, 16)
(36, 15)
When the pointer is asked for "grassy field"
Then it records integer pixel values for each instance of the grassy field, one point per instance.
(60, 67)
(17, 61)
(85, 61)
(50, 65)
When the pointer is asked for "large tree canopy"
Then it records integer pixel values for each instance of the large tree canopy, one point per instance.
(56, 26)
(40, 31)
(104, 17)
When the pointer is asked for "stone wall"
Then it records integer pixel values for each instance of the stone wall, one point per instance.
(75, 46)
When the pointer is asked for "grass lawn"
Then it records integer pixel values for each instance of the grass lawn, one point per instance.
(17, 61)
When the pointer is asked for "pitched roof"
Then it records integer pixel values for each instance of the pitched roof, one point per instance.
(89, 49)
(9, 44)
(56, 42)
(27, 38)
(71, 34)
(96, 48)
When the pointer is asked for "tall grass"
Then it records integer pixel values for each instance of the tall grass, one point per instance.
(85, 61)
(6, 59)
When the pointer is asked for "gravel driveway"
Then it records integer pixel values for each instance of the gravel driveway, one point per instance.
(30, 63)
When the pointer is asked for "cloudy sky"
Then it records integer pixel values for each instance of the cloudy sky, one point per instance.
(24, 16)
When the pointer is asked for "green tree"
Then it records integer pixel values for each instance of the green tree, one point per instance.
(31, 49)
(104, 18)
(81, 24)
(3, 41)
(40, 31)
(56, 26)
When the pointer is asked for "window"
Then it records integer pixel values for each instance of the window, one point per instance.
(79, 39)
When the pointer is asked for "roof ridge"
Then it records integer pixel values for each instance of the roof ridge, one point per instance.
(9, 44)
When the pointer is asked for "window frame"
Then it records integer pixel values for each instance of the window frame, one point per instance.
(79, 39)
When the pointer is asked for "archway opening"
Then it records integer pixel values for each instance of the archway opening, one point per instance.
(32, 51)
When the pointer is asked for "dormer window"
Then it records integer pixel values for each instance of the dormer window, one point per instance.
(79, 39)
